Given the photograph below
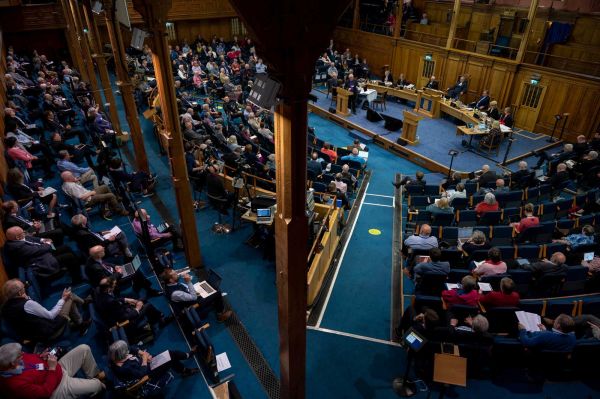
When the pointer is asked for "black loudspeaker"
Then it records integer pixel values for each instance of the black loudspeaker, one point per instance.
(365, 105)
(332, 110)
(313, 98)
(373, 116)
(392, 124)
(401, 141)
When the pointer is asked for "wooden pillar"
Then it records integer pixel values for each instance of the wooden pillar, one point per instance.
(98, 55)
(356, 17)
(154, 13)
(124, 83)
(72, 42)
(85, 50)
(453, 24)
(525, 39)
(398, 26)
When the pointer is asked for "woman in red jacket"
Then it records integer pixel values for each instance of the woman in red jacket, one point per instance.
(467, 295)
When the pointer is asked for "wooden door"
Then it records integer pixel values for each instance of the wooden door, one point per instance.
(529, 104)
(426, 69)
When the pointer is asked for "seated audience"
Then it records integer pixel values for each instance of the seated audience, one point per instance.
(576, 240)
(138, 182)
(486, 177)
(489, 204)
(171, 233)
(102, 195)
(440, 206)
(22, 379)
(327, 150)
(11, 216)
(355, 157)
(459, 192)
(315, 165)
(528, 221)
(558, 179)
(466, 295)
(434, 265)
(477, 242)
(419, 180)
(492, 265)
(424, 240)
(83, 174)
(115, 244)
(506, 297)
(21, 192)
(556, 265)
(560, 338)
(521, 178)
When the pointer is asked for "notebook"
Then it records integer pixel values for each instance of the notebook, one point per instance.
(588, 256)
(162, 227)
(131, 267)
(204, 289)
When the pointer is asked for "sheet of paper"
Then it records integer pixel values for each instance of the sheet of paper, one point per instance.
(223, 362)
(113, 232)
(529, 320)
(485, 287)
(159, 360)
(477, 264)
(363, 154)
(452, 286)
(47, 191)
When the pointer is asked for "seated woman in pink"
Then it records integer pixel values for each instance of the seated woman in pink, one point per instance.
(492, 265)
(466, 295)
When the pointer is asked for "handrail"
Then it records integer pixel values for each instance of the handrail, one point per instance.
(512, 51)
(569, 64)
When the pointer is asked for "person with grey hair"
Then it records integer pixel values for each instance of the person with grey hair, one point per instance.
(32, 321)
(560, 176)
(130, 363)
(522, 178)
(115, 244)
(489, 204)
(32, 376)
(487, 176)
(477, 241)
(561, 156)
(472, 330)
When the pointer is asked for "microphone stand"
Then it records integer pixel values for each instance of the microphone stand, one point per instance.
(510, 141)
(562, 130)
(551, 138)
(401, 385)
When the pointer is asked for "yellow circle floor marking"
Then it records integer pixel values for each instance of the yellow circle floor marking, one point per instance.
(375, 232)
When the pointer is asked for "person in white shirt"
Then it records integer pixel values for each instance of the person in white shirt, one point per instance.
(260, 67)
(101, 195)
(459, 192)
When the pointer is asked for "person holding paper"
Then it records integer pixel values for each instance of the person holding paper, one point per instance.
(467, 295)
(435, 265)
(556, 265)
(506, 297)
(130, 363)
(492, 265)
(114, 241)
(560, 338)
(184, 294)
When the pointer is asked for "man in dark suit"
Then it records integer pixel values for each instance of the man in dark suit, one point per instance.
(352, 86)
(116, 245)
(432, 84)
(522, 177)
(487, 176)
(96, 269)
(459, 88)
(556, 265)
(561, 176)
(483, 103)
(12, 217)
(314, 165)
(114, 309)
(402, 81)
(38, 253)
(507, 119)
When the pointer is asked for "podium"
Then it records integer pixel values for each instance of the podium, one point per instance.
(428, 102)
(409, 128)
(342, 101)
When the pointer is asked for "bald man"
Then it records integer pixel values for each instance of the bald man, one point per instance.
(556, 265)
(40, 254)
(101, 195)
(96, 269)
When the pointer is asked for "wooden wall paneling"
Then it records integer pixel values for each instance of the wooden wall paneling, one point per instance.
(51, 42)
(477, 72)
(377, 49)
(182, 10)
(38, 17)
(189, 30)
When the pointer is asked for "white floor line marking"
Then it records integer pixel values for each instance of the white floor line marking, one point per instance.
(384, 205)
(337, 269)
(380, 195)
(356, 336)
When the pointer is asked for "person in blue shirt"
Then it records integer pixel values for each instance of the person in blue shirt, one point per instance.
(83, 174)
(354, 157)
(435, 265)
(560, 338)
(576, 240)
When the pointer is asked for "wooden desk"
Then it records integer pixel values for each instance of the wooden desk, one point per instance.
(463, 130)
(461, 114)
(406, 94)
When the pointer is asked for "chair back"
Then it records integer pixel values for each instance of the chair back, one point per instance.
(431, 284)
(503, 320)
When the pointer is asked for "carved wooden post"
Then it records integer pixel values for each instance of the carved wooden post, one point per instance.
(72, 41)
(125, 86)
(453, 24)
(98, 55)
(525, 39)
(154, 13)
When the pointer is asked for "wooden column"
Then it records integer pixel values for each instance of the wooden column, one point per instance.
(124, 83)
(85, 50)
(453, 24)
(398, 26)
(279, 29)
(154, 13)
(98, 55)
(356, 17)
(72, 42)
(525, 39)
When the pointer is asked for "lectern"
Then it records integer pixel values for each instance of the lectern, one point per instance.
(409, 128)
(342, 101)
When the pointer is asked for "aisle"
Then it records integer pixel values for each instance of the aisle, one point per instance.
(359, 300)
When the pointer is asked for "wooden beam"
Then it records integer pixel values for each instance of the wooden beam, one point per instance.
(398, 26)
(533, 6)
(356, 15)
(85, 50)
(154, 13)
(97, 54)
(453, 24)
(124, 83)
(72, 42)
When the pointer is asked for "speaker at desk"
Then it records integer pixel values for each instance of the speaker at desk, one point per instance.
(373, 116)
(392, 124)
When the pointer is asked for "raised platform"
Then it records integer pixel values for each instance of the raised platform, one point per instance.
(436, 137)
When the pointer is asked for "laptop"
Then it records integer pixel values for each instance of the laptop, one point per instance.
(264, 216)
(588, 256)
(204, 289)
(132, 267)
(464, 233)
(161, 228)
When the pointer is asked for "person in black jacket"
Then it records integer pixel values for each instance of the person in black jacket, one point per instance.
(12, 217)
(432, 84)
(560, 177)
(96, 269)
(138, 181)
(114, 309)
(40, 254)
(507, 119)
(116, 244)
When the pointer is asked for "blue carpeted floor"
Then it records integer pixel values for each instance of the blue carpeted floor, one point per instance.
(437, 136)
